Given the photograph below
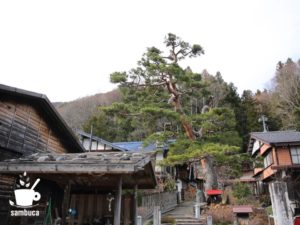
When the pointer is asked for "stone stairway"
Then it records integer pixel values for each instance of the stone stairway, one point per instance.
(184, 215)
(189, 221)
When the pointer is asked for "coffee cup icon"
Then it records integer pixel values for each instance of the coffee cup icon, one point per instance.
(25, 197)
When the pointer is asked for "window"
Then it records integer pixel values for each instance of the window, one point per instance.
(295, 153)
(268, 160)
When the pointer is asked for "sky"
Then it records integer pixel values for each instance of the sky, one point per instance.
(67, 49)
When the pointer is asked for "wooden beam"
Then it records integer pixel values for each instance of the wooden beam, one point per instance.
(69, 167)
(118, 201)
(65, 203)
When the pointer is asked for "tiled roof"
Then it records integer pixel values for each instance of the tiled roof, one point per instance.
(275, 137)
(107, 158)
(87, 169)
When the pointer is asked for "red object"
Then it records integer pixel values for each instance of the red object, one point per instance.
(297, 221)
(242, 209)
(214, 192)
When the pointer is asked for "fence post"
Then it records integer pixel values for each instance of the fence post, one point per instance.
(197, 211)
(139, 220)
(156, 215)
(209, 220)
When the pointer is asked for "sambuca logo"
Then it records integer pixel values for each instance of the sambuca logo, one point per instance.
(25, 196)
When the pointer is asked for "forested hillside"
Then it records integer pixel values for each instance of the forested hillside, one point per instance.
(77, 112)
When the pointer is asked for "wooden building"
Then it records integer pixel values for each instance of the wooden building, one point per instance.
(88, 184)
(93, 143)
(34, 138)
(278, 168)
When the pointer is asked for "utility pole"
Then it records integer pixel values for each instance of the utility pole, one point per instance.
(264, 119)
(91, 137)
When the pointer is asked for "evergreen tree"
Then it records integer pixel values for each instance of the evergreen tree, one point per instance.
(159, 95)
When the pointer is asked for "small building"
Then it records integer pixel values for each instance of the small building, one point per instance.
(85, 188)
(214, 196)
(242, 214)
(29, 124)
(278, 168)
(93, 143)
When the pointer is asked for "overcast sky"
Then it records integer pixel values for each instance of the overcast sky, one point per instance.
(67, 49)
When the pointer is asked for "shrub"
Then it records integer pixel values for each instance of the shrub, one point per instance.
(241, 191)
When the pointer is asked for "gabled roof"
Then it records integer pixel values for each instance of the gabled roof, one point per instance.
(275, 138)
(48, 110)
(95, 138)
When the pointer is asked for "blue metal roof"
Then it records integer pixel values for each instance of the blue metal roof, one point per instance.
(137, 146)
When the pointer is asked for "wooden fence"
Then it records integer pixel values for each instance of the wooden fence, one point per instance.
(166, 200)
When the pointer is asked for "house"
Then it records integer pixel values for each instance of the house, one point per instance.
(70, 185)
(278, 169)
(93, 143)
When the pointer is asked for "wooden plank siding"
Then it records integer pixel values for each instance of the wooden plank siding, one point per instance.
(24, 129)
(93, 207)
(264, 148)
(284, 156)
(6, 193)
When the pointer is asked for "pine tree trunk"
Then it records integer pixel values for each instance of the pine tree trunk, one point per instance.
(186, 125)
(210, 175)
(207, 161)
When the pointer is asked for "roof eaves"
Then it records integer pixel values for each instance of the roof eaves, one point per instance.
(80, 132)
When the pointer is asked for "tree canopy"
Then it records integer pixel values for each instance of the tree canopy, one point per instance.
(162, 100)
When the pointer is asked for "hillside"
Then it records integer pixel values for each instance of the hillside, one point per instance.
(78, 111)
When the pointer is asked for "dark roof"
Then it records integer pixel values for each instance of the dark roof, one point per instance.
(95, 138)
(275, 138)
(48, 110)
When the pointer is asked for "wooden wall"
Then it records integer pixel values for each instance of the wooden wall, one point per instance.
(6, 193)
(284, 156)
(24, 129)
(93, 207)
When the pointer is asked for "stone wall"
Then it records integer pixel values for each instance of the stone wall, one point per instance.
(280, 203)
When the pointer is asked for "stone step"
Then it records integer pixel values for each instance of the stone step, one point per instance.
(188, 221)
